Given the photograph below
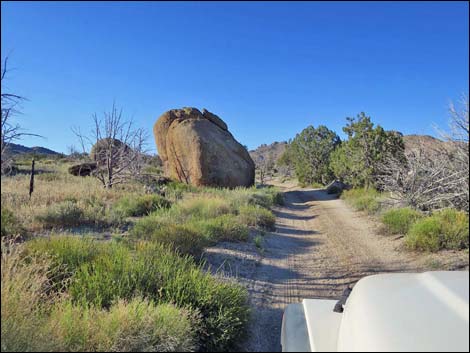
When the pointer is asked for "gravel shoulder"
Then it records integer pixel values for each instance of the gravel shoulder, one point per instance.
(320, 246)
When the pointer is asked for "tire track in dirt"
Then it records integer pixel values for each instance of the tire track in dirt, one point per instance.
(320, 247)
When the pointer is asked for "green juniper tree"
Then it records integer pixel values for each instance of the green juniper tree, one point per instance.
(310, 151)
(357, 161)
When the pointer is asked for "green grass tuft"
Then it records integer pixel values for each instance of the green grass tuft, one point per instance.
(447, 229)
(367, 200)
(399, 221)
(136, 206)
(257, 216)
(114, 271)
(64, 214)
(10, 225)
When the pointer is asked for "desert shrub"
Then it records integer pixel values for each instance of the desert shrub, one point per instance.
(274, 196)
(257, 216)
(96, 211)
(10, 225)
(135, 326)
(70, 250)
(180, 237)
(454, 227)
(152, 271)
(191, 226)
(447, 229)
(399, 220)
(135, 206)
(73, 212)
(205, 206)
(175, 190)
(425, 235)
(265, 197)
(64, 214)
(225, 227)
(36, 316)
(363, 199)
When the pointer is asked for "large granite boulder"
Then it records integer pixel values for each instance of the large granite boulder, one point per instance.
(100, 150)
(197, 148)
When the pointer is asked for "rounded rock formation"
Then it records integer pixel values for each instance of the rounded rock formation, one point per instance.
(103, 147)
(83, 169)
(197, 148)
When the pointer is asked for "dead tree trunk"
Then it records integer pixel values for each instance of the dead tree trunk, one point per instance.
(31, 180)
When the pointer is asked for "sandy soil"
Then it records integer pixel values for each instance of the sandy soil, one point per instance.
(320, 246)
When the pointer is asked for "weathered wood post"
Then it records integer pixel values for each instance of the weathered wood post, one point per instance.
(31, 179)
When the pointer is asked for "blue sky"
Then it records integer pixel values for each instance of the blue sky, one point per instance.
(268, 69)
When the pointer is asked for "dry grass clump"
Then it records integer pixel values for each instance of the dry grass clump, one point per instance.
(27, 297)
(61, 197)
(137, 325)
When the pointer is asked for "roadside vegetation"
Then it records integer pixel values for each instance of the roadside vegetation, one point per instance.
(143, 289)
(416, 193)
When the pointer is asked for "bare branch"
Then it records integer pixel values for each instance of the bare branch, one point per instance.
(433, 179)
(116, 147)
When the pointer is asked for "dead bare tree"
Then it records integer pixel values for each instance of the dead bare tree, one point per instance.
(434, 179)
(425, 181)
(458, 137)
(264, 166)
(10, 131)
(116, 146)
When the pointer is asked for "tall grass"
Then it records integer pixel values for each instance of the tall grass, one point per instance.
(202, 219)
(10, 224)
(367, 200)
(139, 205)
(114, 271)
(135, 326)
(86, 192)
(26, 298)
(37, 315)
(257, 216)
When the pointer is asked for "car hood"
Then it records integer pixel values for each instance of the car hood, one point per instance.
(407, 312)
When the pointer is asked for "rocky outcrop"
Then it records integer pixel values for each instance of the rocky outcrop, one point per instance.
(100, 150)
(197, 148)
(82, 169)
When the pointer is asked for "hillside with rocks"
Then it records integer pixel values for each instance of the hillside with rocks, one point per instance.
(274, 150)
(428, 143)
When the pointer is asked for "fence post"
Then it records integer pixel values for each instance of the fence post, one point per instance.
(31, 179)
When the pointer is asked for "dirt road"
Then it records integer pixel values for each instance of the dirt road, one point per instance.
(319, 247)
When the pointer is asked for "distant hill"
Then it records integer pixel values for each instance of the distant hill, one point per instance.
(274, 150)
(429, 144)
(20, 149)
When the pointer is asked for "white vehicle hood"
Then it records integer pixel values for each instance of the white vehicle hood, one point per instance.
(407, 312)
